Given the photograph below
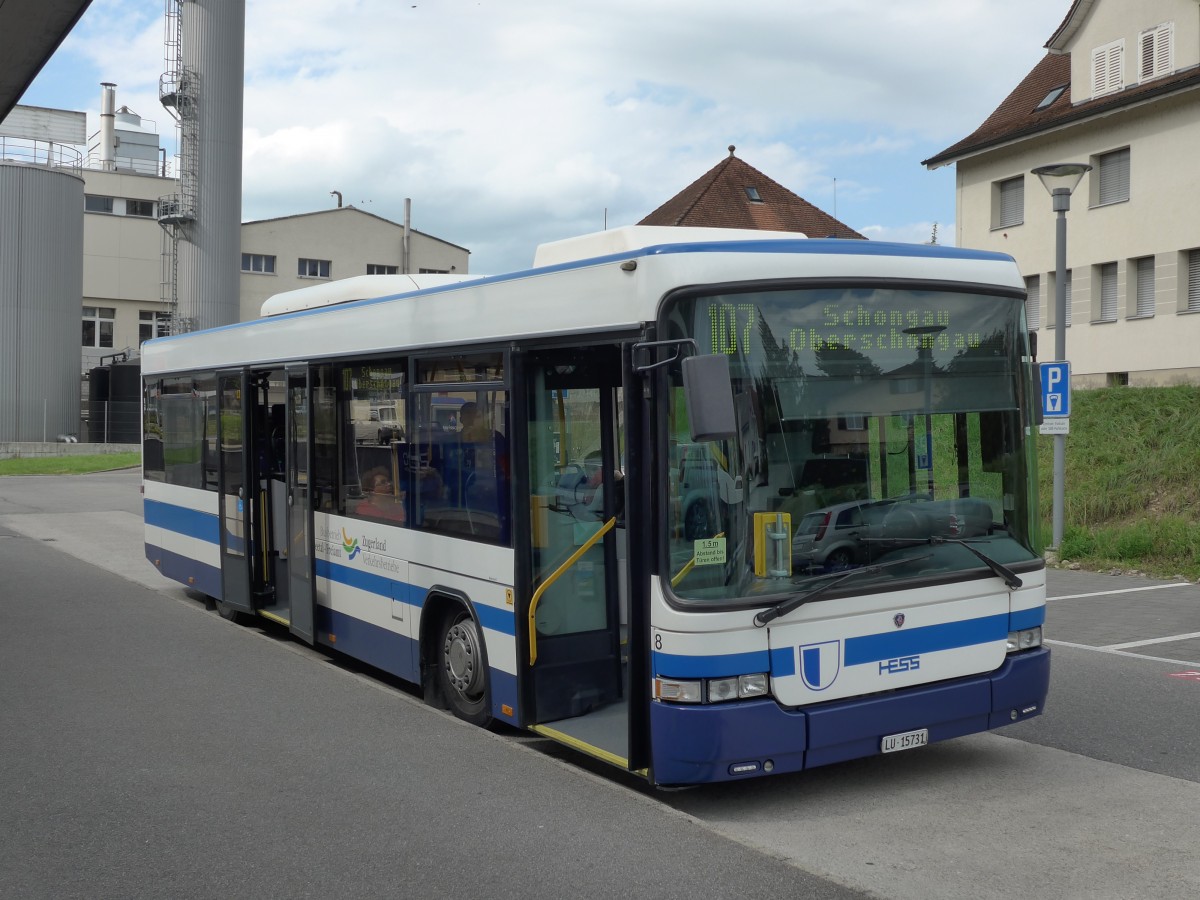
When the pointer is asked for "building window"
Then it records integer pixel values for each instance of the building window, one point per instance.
(1068, 300)
(1050, 97)
(1008, 202)
(1193, 281)
(1111, 184)
(139, 208)
(380, 269)
(313, 268)
(93, 203)
(752, 193)
(1108, 291)
(152, 325)
(433, 271)
(1156, 52)
(98, 322)
(1108, 68)
(258, 262)
(1033, 302)
(1145, 286)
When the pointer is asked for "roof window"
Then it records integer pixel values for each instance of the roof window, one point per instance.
(752, 193)
(1049, 99)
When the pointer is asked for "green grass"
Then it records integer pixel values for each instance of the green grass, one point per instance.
(69, 465)
(1132, 485)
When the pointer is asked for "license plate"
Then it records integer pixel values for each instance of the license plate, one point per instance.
(905, 741)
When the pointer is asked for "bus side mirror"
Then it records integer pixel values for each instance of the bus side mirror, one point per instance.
(708, 392)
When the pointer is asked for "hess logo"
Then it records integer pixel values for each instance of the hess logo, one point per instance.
(899, 664)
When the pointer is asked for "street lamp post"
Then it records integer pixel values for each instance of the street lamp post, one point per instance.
(1060, 180)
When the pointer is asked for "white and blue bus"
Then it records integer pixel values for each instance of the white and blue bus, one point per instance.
(711, 504)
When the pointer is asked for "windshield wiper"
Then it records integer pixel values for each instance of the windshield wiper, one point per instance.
(1010, 577)
(796, 601)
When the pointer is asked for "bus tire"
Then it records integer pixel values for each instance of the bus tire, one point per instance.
(462, 668)
(227, 612)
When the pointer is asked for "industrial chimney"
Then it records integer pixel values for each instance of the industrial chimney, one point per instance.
(108, 126)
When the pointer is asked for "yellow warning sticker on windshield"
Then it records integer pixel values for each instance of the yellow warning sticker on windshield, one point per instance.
(709, 551)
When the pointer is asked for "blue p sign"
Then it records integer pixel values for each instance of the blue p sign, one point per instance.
(1056, 390)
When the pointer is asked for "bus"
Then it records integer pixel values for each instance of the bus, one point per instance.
(624, 538)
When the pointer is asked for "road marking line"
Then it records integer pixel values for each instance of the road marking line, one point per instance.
(1152, 587)
(1147, 643)
(1125, 653)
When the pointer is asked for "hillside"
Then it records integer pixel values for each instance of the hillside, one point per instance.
(1132, 481)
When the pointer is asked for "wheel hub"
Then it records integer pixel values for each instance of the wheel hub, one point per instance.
(461, 658)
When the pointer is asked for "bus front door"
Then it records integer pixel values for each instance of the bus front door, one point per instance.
(573, 617)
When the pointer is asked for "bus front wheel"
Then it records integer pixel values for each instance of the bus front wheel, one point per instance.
(462, 669)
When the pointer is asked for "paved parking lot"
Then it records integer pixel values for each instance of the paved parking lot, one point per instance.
(1125, 615)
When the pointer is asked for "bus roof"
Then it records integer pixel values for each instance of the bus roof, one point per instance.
(610, 282)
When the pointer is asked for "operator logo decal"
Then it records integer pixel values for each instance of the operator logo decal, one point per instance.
(350, 544)
(820, 664)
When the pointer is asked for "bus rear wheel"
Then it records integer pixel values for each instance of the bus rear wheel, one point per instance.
(227, 612)
(462, 669)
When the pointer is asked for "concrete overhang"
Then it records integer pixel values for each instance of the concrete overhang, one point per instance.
(30, 32)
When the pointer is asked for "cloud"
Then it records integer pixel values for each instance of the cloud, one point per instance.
(525, 120)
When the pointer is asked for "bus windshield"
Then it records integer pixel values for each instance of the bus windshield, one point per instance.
(874, 424)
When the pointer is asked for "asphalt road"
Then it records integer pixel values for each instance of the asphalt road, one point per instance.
(152, 749)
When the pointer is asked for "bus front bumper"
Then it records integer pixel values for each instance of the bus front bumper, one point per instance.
(729, 741)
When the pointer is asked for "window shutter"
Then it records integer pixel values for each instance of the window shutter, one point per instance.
(1033, 303)
(1108, 292)
(1145, 286)
(1068, 283)
(1114, 176)
(1193, 279)
(1147, 69)
(1156, 51)
(1012, 201)
(1107, 74)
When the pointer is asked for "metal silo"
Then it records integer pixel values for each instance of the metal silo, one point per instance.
(212, 53)
(41, 283)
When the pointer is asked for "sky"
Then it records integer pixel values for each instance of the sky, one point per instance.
(513, 122)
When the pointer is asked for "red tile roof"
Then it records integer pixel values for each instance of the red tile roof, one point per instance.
(719, 199)
(1019, 117)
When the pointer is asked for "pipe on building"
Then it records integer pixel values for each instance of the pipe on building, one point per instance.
(404, 257)
(108, 126)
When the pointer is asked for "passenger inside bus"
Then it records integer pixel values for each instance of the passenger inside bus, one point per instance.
(380, 500)
(589, 494)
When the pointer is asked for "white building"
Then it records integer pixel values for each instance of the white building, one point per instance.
(1119, 89)
(297, 251)
(122, 262)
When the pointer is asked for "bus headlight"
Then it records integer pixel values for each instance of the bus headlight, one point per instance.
(1025, 639)
(714, 690)
(678, 691)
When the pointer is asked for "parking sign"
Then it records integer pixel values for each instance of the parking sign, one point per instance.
(1056, 390)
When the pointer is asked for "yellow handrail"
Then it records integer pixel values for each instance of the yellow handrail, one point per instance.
(571, 560)
(690, 564)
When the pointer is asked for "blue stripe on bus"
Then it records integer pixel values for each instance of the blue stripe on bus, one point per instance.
(858, 650)
(671, 665)
(1027, 618)
(357, 578)
(929, 639)
(490, 617)
(828, 248)
(189, 522)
